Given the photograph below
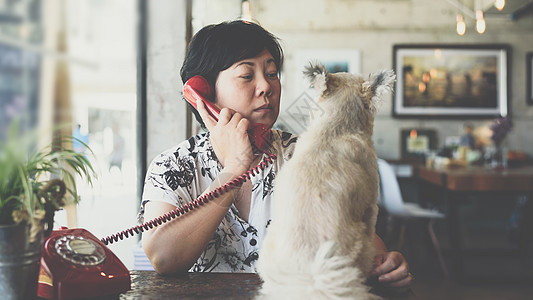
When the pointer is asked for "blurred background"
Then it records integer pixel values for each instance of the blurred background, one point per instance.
(108, 71)
(73, 64)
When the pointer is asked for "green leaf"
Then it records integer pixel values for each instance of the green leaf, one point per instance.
(23, 172)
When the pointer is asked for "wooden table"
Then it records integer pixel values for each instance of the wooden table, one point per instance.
(150, 285)
(455, 182)
(479, 179)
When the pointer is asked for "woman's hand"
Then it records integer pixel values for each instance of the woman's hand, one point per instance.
(392, 271)
(229, 138)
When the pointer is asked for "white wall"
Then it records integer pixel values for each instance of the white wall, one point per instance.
(372, 27)
(166, 51)
(376, 47)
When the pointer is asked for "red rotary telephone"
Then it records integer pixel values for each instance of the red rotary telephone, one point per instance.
(75, 264)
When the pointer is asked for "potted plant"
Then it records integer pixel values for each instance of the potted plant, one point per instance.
(33, 185)
(500, 127)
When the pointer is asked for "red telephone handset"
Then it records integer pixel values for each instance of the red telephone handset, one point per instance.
(76, 264)
(197, 88)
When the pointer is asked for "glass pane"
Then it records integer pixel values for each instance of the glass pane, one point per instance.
(102, 74)
(20, 27)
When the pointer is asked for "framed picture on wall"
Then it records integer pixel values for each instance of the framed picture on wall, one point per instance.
(451, 80)
(335, 60)
(416, 142)
(529, 76)
(302, 106)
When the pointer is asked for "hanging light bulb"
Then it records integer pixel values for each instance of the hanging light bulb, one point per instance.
(246, 11)
(499, 4)
(461, 26)
(480, 22)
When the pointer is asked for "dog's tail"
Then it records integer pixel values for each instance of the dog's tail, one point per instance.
(329, 276)
(335, 277)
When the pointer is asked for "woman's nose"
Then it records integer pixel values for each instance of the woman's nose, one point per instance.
(263, 87)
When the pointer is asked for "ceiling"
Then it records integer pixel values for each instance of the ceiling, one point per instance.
(513, 9)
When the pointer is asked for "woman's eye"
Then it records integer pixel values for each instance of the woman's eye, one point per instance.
(273, 75)
(246, 76)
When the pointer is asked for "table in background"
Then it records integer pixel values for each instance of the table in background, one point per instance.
(455, 182)
(150, 285)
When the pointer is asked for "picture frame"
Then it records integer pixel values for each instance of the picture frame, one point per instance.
(334, 59)
(529, 78)
(298, 114)
(451, 81)
(416, 142)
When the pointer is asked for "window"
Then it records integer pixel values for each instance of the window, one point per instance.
(101, 47)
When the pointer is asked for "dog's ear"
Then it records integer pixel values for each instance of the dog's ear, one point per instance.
(317, 76)
(377, 85)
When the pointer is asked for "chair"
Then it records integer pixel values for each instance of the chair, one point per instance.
(390, 198)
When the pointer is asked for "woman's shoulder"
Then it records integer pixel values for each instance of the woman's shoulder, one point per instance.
(284, 136)
(284, 142)
(190, 147)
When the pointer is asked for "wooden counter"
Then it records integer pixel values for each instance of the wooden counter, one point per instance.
(479, 179)
(150, 285)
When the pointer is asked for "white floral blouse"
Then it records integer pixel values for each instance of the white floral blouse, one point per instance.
(180, 174)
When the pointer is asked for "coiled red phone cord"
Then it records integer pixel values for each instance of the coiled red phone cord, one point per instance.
(191, 205)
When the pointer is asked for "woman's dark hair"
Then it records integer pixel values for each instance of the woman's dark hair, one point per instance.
(217, 47)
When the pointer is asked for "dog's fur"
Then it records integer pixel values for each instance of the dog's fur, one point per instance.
(320, 242)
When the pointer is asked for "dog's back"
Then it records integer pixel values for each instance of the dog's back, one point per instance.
(320, 243)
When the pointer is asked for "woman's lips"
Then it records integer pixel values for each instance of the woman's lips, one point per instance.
(264, 107)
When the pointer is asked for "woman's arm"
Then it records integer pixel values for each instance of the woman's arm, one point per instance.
(173, 247)
(379, 244)
(392, 270)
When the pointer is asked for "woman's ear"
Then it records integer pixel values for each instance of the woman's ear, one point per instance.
(317, 76)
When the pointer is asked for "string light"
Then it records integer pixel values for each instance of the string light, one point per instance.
(499, 4)
(480, 22)
(246, 11)
(477, 13)
(461, 26)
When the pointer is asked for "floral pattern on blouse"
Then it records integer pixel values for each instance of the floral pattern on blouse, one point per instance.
(180, 174)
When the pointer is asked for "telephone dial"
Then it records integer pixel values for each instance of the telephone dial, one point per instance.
(76, 264)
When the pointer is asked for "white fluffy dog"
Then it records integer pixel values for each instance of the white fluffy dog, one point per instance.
(320, 242)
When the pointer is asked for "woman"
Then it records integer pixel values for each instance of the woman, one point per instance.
(242, 61)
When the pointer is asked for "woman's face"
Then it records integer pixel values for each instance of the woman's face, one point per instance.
(251, 87)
